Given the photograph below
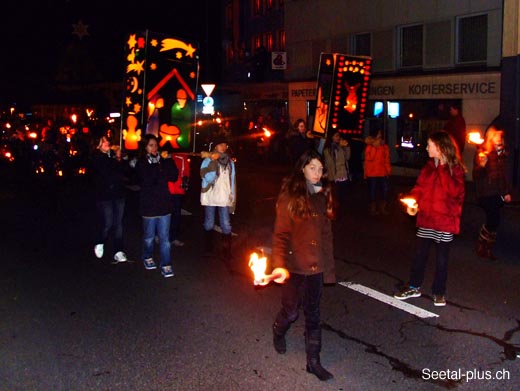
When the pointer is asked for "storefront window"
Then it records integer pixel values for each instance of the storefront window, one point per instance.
(406, 125)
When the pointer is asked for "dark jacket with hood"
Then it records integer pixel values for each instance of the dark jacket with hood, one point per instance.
(155, 198)
(108, 176)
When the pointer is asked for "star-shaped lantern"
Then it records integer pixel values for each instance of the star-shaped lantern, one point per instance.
(80, 29)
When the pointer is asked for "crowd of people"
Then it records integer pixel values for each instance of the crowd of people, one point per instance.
(45, 148)
(311, 196)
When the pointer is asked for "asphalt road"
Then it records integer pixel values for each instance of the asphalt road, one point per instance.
(69, 321)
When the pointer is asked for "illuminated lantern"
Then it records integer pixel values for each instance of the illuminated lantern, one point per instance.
(132, 136)
(160, 89)
(342, 90)
(169, 134)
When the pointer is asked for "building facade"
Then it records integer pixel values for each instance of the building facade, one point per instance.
(427, 55)
(254, 62)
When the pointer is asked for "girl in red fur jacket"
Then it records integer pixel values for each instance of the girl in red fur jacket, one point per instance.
(439, 195)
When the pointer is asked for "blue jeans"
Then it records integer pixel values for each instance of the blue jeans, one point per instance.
(111, 217)
(223, 215)
(159, 226)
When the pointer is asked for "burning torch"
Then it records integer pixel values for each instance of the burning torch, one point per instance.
(258, 266)
(411, 205)
(476, 138)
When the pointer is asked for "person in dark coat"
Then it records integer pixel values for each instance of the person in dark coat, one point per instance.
(108, 173)
(297, 141)
(492, 186)
(302, 248)
(155, 203)
(456, 127)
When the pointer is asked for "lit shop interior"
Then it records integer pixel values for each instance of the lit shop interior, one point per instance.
(406, 125)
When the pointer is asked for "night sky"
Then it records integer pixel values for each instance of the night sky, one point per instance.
(39, 39)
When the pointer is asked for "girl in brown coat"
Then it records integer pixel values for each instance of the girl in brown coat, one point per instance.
(302, 245)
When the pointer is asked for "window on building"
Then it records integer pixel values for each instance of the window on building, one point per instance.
(257, 7)
(268, 39)
(411, 46)
(256, 42)
(472, 38)
(230, 57)
(281, 40)
(229, 15)
(362, 44)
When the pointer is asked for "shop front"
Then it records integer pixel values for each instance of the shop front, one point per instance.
(407, 109)
(302, 101)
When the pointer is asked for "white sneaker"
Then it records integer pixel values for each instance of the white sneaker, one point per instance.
(149, 264)
(177, 243)
(167, 271)
(98, 250)
(120, 257)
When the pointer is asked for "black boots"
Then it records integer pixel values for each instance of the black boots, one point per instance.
(376, 208)
(208, 243)
(279, 338)
(313, 348)
(485, 243)
(372, 208)
(217, 245)
(226, 254)
(383, 207)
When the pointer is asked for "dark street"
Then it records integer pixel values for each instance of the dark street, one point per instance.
(71, 321)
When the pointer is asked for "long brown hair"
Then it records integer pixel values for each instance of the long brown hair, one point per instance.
(448, 147)
(488, 144)
(295, 186)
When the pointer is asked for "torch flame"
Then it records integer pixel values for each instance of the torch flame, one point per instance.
(411, 205)
(409, 202)
(475, 138)
(258, 266)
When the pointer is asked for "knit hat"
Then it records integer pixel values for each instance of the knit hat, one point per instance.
(219, 140)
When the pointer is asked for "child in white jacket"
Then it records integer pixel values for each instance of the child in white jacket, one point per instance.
(218, 193)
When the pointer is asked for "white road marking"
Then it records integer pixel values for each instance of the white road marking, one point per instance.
(419, 312)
